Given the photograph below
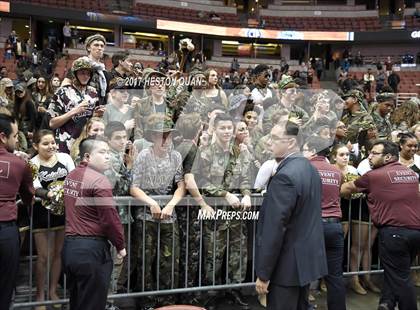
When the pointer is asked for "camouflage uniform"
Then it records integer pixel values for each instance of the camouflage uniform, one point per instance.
(143, 109)
(120, 178)
(68, 97)
(355, 122)
(190, 228)
(383, 125)
(157, 176)
(294, 112)
(220, 172)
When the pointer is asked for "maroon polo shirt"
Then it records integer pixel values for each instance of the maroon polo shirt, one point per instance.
(90, 207)
(393, 195)
(15, 177)
(331, 181)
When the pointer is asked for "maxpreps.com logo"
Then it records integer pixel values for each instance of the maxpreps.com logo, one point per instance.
(415, 34)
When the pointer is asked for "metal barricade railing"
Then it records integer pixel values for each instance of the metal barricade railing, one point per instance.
(203, 231)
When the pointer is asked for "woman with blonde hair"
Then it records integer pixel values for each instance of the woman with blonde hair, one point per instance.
(406, 115)
(7, 94)
(94, 127)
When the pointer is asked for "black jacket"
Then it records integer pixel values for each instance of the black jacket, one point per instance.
(290, 240)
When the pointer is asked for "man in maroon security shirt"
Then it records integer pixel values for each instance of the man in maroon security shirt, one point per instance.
(316, 150)
(394, 205)
(15, 177)
(91, 222)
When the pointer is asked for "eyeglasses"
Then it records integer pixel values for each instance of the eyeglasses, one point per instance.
(375, 153)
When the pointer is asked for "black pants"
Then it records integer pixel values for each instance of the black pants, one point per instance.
(88, 266)
(397, 249)
(287, 297)
(9, 262)
(334, 246)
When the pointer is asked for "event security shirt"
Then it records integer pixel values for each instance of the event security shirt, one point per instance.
(393, 195)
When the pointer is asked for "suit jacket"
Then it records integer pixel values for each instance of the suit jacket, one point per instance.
(290, 239)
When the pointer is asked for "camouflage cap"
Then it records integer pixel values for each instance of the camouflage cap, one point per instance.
(355, 93)
(288, 82)
(158, 123)
(149, 72)
(364, 125)
(382, 97)
(81, 63)
(6, 82)
(414, 100)
(95, 37)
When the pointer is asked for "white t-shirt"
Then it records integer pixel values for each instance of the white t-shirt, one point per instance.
(267, 169)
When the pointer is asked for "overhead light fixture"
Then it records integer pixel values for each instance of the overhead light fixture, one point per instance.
(145, 34)
(26, 26)
(50, 21)
(92, 28)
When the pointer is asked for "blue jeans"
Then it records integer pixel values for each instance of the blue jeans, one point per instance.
(334, 246)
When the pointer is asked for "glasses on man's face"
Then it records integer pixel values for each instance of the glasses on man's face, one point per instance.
(373, 153)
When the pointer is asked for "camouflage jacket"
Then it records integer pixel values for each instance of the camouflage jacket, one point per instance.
(383, 125)
(294, 112)
(219, 172)
(143, 109)
(120, 178)
(356, 122)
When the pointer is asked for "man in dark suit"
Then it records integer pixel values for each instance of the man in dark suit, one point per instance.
(290, 243)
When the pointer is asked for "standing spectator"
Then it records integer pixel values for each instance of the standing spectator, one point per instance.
(261, 91)
(73, 105)
(91, 223)
(358, 60)
(15, 178)
(75, 37)
(12, 37)
(223, 171)
(67, 34)
(234, 66)
(8, 50)
(52, 167)
(25, 112)
(388, 65)
(3, 72)
(293, 199)
(368, 80)
(55, 84)
(319, 67)
(393, 81)
(158, 171)
(386, 103)
(7, 94)
(122, 66)
(380, 80)
(18, 49)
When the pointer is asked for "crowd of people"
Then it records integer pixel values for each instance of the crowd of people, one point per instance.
(173, 134)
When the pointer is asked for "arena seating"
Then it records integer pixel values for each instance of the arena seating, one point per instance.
(412, 22)
(93, 5)
(322, 23)
(183, 14)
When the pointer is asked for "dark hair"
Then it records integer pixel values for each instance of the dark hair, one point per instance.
(88, 145)
(389, 147)
(122, 55)
(250, 106)
(189, 125)
(404, 136)
(221, 118)
(112, 127)
(320, 145)
(259, 69)
(6, 122)
(41, 133)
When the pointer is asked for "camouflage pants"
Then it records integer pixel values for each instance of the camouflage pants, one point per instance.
(189, 233)
(220, 238)
(157, 259)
